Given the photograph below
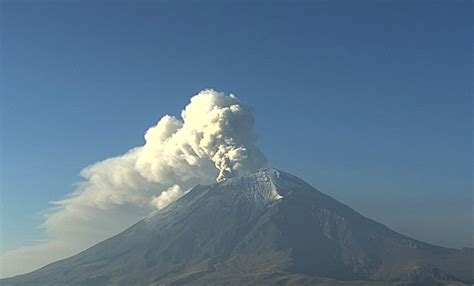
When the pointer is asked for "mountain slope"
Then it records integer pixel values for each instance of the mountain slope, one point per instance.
(266, 228)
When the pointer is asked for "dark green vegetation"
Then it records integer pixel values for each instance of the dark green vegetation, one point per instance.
(268, 228)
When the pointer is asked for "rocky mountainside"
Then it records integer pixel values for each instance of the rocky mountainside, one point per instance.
(267, 228)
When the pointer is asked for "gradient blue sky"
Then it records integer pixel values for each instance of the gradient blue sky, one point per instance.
(369, 102)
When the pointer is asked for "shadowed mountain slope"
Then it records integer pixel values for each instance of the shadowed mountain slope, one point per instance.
(267, 228)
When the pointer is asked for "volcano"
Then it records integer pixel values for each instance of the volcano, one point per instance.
(266, 228)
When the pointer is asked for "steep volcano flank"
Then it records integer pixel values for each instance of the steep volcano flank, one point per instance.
(265, 228)
(329, 239)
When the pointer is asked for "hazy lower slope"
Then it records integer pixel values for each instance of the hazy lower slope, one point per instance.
(268, 228)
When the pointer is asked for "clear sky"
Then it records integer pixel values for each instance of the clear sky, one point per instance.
(371, 103)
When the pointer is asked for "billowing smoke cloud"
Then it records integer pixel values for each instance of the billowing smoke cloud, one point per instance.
(167, 197)
(213, 140)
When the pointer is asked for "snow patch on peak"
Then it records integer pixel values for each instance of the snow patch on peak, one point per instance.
(269, 177)
(267, 173)
(276, 196)
(261, 186)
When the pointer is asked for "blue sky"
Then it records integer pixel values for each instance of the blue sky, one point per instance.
(371, 103)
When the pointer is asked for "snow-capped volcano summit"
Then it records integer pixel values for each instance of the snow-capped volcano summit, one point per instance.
(266, 228)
